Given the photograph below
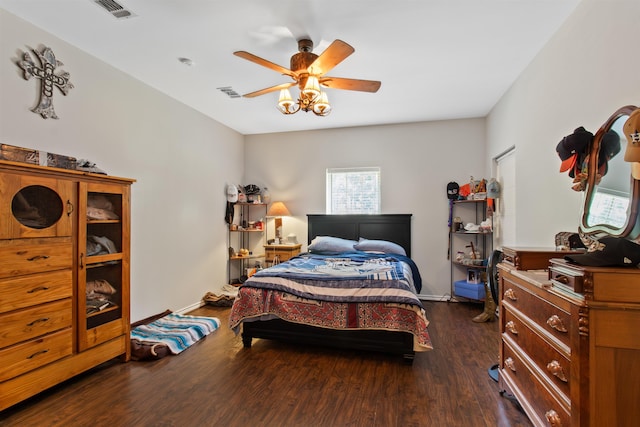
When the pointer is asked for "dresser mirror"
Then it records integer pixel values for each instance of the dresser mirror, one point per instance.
(612, 195)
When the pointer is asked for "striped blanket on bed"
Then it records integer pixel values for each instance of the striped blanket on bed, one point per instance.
(350, 277)
(177, 331)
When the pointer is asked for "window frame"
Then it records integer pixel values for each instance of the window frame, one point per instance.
(330, 180)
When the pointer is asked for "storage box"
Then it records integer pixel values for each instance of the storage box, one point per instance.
(18, 154)
(462, 288)
(57, 160)
(36, 157)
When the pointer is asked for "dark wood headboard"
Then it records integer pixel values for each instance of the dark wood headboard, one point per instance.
(392, 227)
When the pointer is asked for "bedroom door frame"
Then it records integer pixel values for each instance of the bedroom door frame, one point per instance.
(504, 217)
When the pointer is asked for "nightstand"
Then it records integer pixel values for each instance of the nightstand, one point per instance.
(280, 253)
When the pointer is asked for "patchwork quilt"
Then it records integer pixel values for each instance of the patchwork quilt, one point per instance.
(351, 291)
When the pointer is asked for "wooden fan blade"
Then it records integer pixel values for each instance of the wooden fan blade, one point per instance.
(269, 89)
(350, 84)
(332, 56)
(256, 59)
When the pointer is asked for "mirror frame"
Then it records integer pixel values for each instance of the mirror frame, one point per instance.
(634, 186)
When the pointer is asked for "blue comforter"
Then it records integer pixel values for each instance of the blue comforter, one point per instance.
(345, 277)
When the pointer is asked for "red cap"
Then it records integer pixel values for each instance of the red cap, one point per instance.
(568, 163)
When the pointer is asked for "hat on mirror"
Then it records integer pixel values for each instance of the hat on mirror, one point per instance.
(609, 148)
(609, 252)
(573, 149)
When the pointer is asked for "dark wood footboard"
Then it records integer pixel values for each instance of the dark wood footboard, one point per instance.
(399, 343)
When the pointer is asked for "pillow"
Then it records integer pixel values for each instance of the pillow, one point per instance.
(331, 244)
(380, 246)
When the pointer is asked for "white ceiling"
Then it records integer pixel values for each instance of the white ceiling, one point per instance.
(436, 59)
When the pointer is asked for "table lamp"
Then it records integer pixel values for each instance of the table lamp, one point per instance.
(278, 210)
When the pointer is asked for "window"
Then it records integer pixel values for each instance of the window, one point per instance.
(353, 190)
(609, 207)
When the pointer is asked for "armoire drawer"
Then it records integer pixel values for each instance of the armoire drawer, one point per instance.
(23, 325)
(554, 365)
(547, 407)
(28, 256)
(34, 289)
(550, 317)
(27, 356)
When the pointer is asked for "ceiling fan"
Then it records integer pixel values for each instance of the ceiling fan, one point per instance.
(308, 72)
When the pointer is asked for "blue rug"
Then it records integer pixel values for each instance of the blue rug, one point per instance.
(177, 331)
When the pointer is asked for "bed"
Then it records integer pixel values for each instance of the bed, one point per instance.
(341, 297)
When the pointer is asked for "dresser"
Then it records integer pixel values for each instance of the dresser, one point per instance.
(280, 253)
(64, 299)
(570, 343)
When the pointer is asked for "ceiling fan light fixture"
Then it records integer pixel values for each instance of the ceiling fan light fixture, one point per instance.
(312, 87)
(306, 102)
(308, 71)
(322, 107)
(286, 105)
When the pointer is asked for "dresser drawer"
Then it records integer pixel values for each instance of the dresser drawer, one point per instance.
(529, 258)
(27, 356)
(566, 277)
(551, 318)
(29, 256)
(541, 405)
(22, 325)
(34, 289)
(283, 252)
(554, 365)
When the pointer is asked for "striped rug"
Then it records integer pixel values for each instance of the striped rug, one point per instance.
(177, 331)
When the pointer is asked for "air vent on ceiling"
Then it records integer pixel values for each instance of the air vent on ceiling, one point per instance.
(115, 9)
(229, 91)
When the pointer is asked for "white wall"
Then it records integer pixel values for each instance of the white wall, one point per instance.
(586, 71)
(417, 161)
(180, 158)
(183, 160)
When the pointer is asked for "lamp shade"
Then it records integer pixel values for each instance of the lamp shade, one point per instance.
(284, 100)
(322, 106)
(312, 87)
(278, 209)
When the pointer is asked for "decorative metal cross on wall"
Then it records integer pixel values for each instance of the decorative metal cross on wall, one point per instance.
(48, 79)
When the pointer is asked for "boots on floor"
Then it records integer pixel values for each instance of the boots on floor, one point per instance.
(489, 307)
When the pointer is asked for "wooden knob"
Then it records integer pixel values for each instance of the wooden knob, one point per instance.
(510, 293)
(508, 362)
(555, 369)
(556, 323)
(553, 418)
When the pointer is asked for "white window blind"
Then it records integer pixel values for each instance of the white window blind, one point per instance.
(353, 190)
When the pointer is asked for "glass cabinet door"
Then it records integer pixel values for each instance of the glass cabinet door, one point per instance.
(103, 263)
(39, 206)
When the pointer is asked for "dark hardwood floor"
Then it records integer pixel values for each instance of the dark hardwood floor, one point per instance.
(219, 383)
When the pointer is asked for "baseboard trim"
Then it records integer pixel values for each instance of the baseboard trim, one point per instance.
(150, 319)
(445, 297)
(191, 307)
(164, 313)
